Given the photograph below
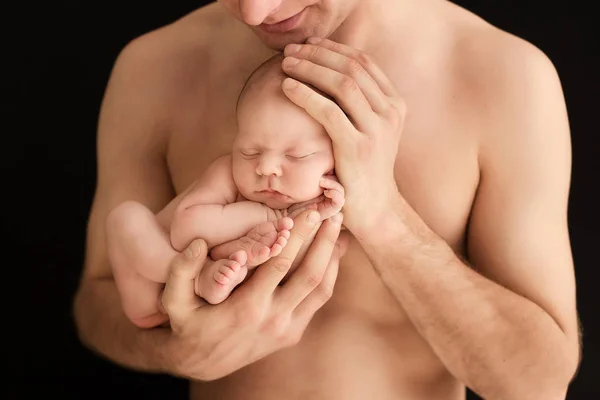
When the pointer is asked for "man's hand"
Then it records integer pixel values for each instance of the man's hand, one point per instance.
(260, 316)
(366, 129)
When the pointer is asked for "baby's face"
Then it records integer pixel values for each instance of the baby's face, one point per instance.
(280, 153)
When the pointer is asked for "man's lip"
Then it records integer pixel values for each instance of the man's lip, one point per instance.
(284, 25)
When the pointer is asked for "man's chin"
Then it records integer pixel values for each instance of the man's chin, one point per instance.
(278, 41)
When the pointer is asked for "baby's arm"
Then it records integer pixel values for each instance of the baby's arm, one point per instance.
(210, 211)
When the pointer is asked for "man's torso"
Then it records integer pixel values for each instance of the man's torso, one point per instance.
(361, 344)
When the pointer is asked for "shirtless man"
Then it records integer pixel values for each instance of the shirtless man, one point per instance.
(454, 152)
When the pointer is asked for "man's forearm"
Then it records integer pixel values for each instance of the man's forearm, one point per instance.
(103, 328)
(216, 224)
(500, 344)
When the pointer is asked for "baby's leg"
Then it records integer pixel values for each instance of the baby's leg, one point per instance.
(218, 278)
(262, 242)
(140, 253)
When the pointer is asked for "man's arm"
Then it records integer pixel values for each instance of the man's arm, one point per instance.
(508, 327)
(131, 166)
(508, 331)
(209, 210)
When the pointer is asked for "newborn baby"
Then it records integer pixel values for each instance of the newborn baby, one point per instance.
(243, 205)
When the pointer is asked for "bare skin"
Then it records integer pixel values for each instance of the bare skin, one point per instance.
(422, 305)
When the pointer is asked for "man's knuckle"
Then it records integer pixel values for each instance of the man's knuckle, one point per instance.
(281, 264)
(278, 326)
(167, 304)
(315, 52)
(171, 305)
(337, 47)
(294, 337)
(399, 105)
(325, 291)
(178, 268)
(302, 234)
(313, 280)
(354, 67)
(348, 84)
(331, 114)
(308, 95)
(393, 114)
(363, 59)
(331, 240)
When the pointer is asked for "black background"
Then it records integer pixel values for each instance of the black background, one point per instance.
(56, 59)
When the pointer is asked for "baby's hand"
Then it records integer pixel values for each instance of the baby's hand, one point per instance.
(328, 204)
(334, 199)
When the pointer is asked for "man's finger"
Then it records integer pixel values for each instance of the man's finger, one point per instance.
(325, 111)
(309, 275)
(323, 292)
(345, 63)
(382, 80)
(268, 276)
(344, 86)
(179, 298)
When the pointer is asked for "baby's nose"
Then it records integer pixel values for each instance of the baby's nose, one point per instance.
(268, 166)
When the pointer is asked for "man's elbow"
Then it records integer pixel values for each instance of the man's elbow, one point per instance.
(572, 361)
(79, 312)
(553, 376)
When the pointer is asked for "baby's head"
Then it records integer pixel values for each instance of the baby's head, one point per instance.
(280, 151)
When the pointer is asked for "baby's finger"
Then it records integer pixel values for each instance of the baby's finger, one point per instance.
(336, 197)
(328, 183)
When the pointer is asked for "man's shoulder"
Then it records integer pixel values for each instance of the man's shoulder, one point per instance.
(174, 54)
(500, 75)
(495, 63)
(512, 87)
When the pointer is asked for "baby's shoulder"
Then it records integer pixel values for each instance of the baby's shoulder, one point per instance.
(221, 165)
(220, 174)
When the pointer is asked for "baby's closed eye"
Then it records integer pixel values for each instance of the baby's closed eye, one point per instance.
(299, 156)
(249, 153)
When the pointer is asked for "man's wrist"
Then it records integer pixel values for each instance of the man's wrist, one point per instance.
(398, 232)
(383, 222)
(159, 340)
(179, 362)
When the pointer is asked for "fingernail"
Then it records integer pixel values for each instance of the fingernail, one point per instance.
(314, 40)
(290, 61)
(337, 218)
(289, 83)
(193, 249)
(292, 49)
(313, 217)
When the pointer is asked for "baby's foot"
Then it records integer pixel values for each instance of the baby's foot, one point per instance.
(264, 241)
(217, 282)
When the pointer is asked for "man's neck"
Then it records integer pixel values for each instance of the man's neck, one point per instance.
(374, 21)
